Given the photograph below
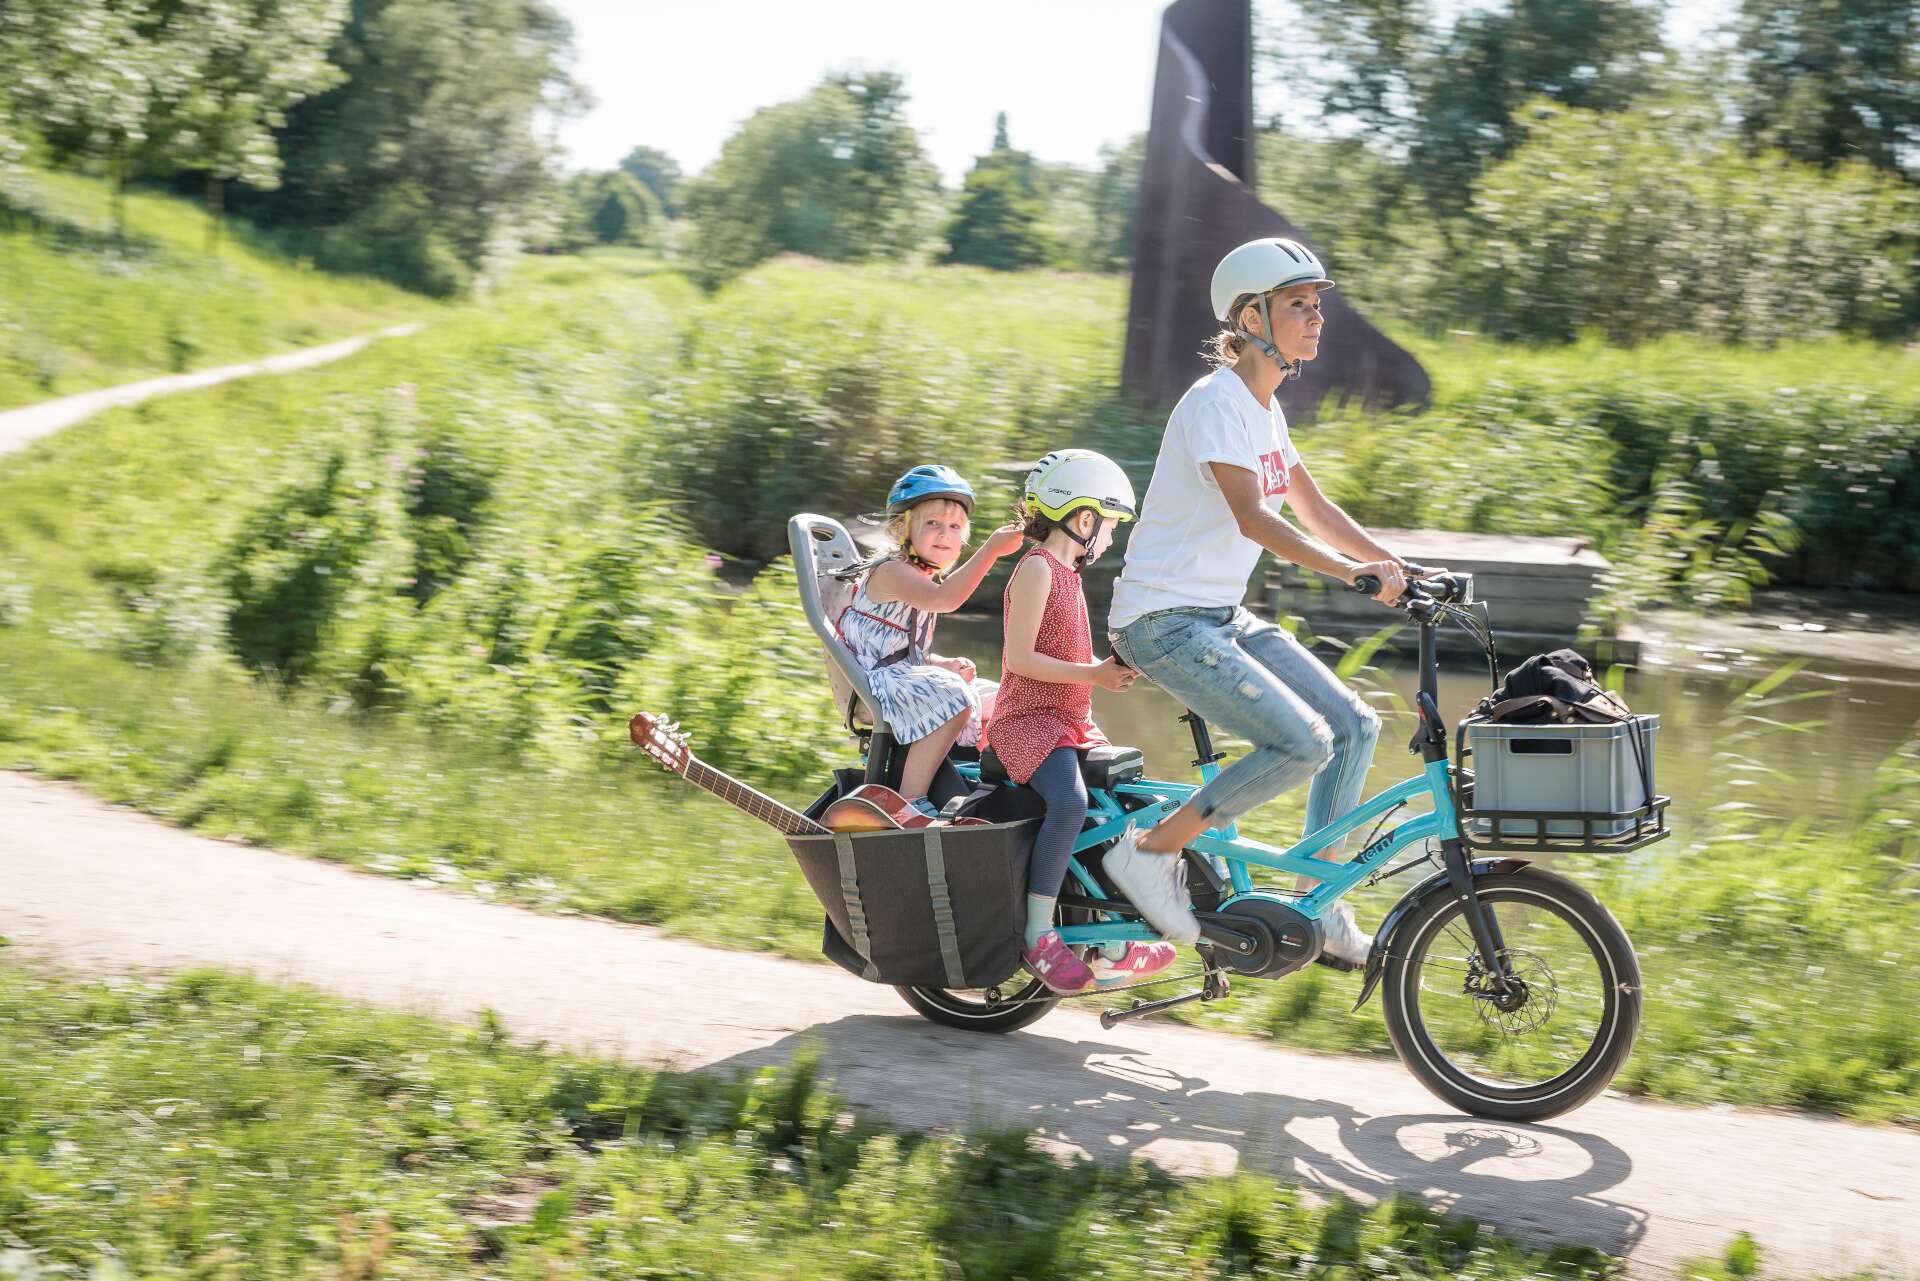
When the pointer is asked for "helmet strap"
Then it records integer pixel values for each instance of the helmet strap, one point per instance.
(1288, 368)
(1086, 544)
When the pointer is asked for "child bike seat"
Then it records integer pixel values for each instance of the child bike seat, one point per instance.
(1101, 767)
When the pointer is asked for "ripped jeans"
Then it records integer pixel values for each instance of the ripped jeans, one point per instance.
(1256, 682)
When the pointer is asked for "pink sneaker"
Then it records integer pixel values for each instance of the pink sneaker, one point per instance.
(1142, 961)
(1056, 965)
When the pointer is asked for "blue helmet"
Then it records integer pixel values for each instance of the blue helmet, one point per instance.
(929, 481)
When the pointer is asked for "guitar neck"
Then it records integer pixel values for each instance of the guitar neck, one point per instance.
(785, 818)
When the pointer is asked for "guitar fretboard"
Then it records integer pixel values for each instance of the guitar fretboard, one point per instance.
(763, 807)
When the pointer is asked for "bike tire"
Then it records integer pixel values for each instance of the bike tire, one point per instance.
(953, 1009)
(1618, 1026)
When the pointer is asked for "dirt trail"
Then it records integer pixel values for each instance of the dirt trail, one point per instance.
(18, 427)
(103, 889)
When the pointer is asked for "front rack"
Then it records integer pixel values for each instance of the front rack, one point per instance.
(1649, 824)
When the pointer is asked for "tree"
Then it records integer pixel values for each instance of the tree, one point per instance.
(838, 174)
(429, 164)
(1832, 80)
(998, 221)
(608, 207)
(659, 173)
(1442, 99)
(241, 64)
(87, 79)
(1656, 220)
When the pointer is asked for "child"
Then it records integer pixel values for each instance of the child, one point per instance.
(930, 702)
(1043, 713)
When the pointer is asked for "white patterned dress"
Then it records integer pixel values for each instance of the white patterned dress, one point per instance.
(891, 641)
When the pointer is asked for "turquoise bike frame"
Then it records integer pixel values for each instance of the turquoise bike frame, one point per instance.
(1108, 818)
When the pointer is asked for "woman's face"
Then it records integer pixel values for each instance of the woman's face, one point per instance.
(937, 529)
(1295, 313)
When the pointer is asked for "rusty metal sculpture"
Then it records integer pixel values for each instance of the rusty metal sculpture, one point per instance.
(1197, 202)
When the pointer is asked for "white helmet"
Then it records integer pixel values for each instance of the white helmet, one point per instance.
(1261, 266)
(1069, 479)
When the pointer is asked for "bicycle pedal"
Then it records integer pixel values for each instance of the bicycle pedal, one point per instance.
(1335, 963)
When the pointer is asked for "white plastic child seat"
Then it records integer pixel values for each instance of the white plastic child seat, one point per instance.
(823, 553)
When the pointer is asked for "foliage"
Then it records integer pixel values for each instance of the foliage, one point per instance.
(997, 221)
(1640, 223)
(94, 309)
(659, 173)
(1828, 81)
(803, 387)
(86, 76)
(611, 207)
(837, 174)
(238, 66)
(426, 166)
(1447, 96)
(1822, 487)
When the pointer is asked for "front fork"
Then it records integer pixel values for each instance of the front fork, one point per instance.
(1480, 919)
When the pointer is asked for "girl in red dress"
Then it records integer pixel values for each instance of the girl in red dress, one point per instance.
(1043, 716)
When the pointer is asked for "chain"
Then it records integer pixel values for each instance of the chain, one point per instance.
(1047, 994)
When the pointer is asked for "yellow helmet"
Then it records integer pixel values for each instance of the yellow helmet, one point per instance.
(1069, 479)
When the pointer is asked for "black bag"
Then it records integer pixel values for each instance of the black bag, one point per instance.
(1552, 688)
(930, 907)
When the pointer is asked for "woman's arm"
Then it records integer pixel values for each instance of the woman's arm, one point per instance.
(1327, 521)
(1026, 605)
(893, 580)
(1241, 489)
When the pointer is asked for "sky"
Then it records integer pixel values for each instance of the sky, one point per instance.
(1071, 75)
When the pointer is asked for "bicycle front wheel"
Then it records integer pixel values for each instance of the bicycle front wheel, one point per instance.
(1547, 1046)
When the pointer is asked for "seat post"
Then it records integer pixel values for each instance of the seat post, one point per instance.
(880, 755)
(1203, 753)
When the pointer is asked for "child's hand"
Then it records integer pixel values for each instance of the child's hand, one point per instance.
(1114, 675)
(961, 667)
(1004, 541)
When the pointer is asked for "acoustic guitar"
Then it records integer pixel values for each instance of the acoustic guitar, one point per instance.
(870, 807)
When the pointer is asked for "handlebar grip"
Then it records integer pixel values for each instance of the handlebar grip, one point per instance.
(1367, 585)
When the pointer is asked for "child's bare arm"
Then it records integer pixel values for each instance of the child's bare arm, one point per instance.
(1026, 603)
(893, 580)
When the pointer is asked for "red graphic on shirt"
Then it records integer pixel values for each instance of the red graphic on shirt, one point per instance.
(1273, 473)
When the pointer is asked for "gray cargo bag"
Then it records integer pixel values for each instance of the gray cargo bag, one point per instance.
(934, 907)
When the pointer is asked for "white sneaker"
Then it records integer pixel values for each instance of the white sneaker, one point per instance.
(1345, 940)
(1156, 884)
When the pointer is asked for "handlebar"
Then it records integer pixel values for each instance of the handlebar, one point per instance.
(1425, 588)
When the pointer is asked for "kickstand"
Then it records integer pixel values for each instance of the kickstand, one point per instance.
(1212, 988)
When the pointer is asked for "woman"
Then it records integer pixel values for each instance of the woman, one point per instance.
(1226, 466)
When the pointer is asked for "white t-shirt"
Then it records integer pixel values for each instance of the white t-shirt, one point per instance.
(1187, 549)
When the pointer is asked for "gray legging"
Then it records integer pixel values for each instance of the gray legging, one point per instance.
(1059, 784)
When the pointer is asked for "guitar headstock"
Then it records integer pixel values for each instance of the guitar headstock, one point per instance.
(661, 739)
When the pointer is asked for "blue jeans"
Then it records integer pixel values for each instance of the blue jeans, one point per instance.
(1256, 682)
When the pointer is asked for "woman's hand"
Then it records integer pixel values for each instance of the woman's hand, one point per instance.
(1004, 541)
(1392, 575)
(1114, 675)
(961, 667)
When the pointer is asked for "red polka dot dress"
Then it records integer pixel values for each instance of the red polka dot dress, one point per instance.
(1031, 718)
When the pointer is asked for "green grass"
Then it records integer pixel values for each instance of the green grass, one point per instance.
(209, 1126)
(83, 311)
(394, 612)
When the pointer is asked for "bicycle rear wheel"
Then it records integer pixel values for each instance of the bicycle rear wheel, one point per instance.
(1535, 1053)
(973, 1011)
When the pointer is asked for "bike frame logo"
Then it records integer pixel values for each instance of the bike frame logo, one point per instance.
(1376, 849)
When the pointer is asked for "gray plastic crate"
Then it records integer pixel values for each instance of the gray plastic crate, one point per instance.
(1590, 769)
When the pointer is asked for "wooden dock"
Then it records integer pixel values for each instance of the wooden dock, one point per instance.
(1540, 591)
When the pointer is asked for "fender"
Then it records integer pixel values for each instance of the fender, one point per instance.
(1413, 898)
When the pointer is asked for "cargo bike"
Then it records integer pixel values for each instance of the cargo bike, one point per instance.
(1508, 990)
